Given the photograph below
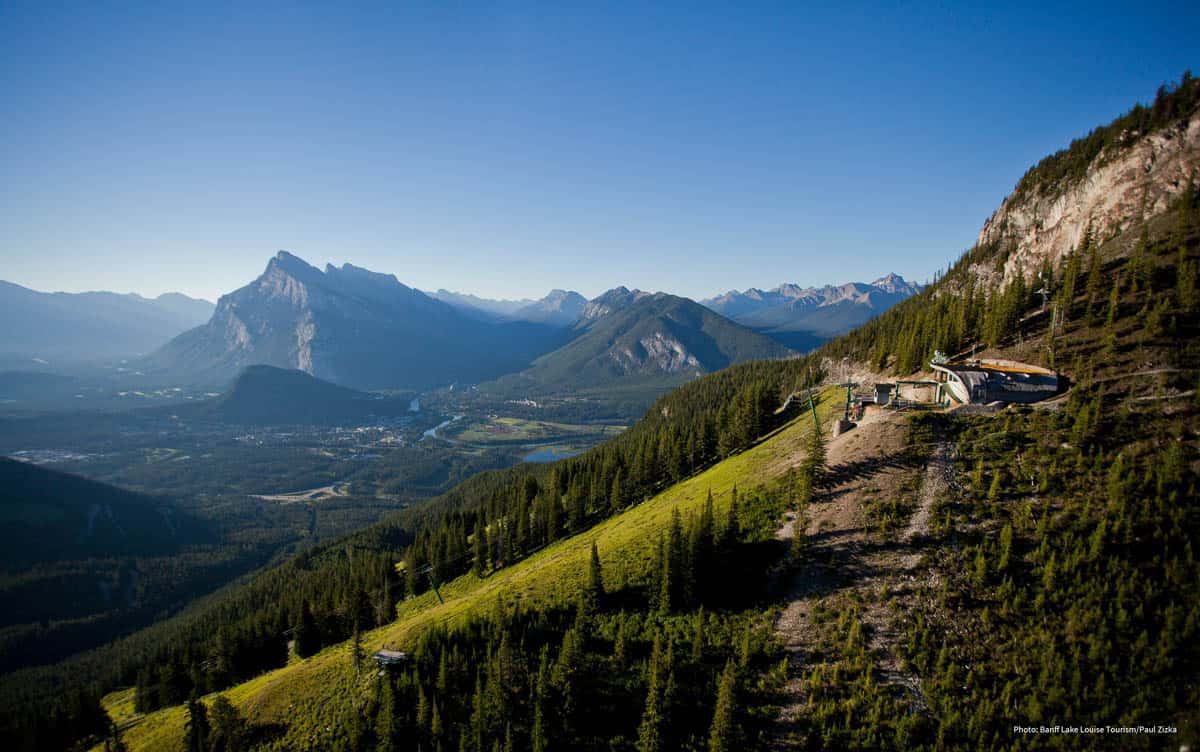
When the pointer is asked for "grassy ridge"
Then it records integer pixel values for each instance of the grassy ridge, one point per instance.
(314, 697)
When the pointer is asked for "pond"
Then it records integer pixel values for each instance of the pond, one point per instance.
(550, 454)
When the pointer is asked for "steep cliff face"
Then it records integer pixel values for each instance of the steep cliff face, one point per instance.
(1136, 178)
(350, 326)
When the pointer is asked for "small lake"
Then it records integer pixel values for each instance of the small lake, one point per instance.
(547, 455)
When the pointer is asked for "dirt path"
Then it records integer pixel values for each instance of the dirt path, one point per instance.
(846, 560)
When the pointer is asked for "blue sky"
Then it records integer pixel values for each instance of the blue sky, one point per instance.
(508, 148)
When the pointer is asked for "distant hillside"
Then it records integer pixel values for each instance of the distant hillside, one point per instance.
(61, 327)
(646, 339)
(801, 316)
(265, 395)
(47, 515)
(350, 326)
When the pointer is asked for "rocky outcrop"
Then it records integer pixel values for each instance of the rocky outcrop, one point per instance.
(1123, 186)
(607, 303)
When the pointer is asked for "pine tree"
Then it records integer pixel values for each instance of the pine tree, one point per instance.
(732, 532)
(799, 532)
(676, 574)
(480, 548)
(1006, 538)
(566, 675)
(996, 488)
(666, 577)
(815, 460)
(722, 735)
(228, 727)
(307, 639)
(145, 694)
(1094, 278)
(385, 717)
(650, 731)
(356, 650)
(593, 592)
(196, 729)
(616, 496)
(1114, 299)
(540, 733)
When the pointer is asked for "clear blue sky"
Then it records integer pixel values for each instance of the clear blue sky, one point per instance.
(507, 148)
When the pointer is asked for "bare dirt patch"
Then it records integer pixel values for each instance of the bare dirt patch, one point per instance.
(847, 560)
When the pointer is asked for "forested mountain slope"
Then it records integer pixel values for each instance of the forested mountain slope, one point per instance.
(645, 341)
(265, 395)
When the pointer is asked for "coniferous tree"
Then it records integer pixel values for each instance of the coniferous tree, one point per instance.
(593, 592)
(385, 717)
(307, 639)
(723, 734)
(996, 488)
(732, 532)
(228, 732)
(196, 729)
(665, 577)
(356, 650)
(815, 459)
(540, 733)
(650, 730)
(480, 547)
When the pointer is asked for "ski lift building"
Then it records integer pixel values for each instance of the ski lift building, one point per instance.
(982, 381)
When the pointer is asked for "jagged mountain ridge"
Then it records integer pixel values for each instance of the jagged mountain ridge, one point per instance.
(608, 302)
(347, 325)
(822, 311)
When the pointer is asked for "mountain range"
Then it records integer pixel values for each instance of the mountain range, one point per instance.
(361, 329)
(60, 327)
(797, 314)
(364, 330)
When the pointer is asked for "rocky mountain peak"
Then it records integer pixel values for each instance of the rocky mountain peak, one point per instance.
(1108, 182)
